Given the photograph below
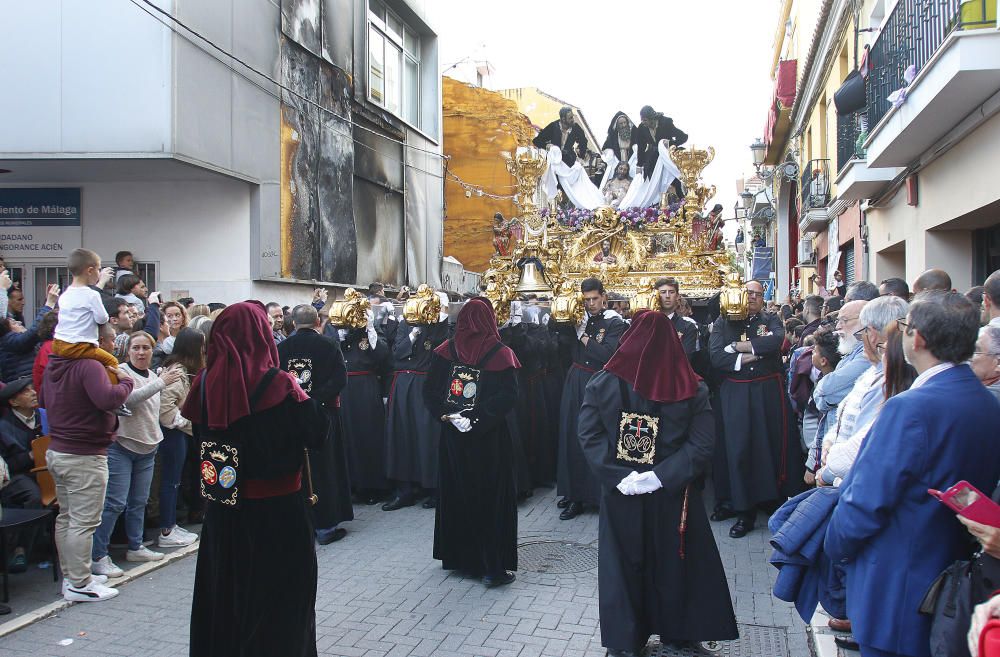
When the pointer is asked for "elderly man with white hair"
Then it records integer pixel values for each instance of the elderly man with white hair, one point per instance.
(986, 358)
(862, 405)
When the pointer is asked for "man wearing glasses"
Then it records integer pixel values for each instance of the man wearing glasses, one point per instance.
(760, 458)
(891, 537)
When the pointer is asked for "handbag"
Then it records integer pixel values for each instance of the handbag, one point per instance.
(951, 599)
(220, 456)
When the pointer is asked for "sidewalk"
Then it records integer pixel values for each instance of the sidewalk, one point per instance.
(381, 594)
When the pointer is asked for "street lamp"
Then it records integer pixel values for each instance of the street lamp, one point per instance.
(759, 150)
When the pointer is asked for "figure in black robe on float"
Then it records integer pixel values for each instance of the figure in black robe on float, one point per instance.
(585, 349)
(470, 390)
(412, 433)
(647, 429)
(621, 137)
(760, 461)
(242, 400)
(362, 409)
(565, 134)
(316, 361)
(653, 128)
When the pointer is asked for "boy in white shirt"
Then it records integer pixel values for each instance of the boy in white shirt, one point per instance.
(81, 310)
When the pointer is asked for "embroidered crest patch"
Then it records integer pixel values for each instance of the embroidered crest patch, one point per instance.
(637, 438)
(301, 369)
(463, 387)
(363, 345)
(600, 335)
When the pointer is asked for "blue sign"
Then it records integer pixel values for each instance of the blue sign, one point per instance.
(39, 222)
(763, 263)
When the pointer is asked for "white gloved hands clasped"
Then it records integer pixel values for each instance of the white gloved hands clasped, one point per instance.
(370, 328)
(460, 422)
(581, 328)
(639, 483)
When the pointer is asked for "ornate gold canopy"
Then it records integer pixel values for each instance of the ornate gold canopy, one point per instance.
(626, 249)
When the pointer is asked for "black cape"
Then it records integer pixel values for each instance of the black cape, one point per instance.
(575, 481)
(537, 410)
(762, 460)
(475, 523)
(362, 410)
(648, 145)
(652, 577)
(237, 610)
(522, 438)
(411, 432)
(552, 134)
(318, 362)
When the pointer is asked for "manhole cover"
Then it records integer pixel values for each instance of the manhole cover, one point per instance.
(556, 557)
(754, 641)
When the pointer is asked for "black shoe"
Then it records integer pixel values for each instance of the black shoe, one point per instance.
(430, 503)
(333, 536)
(4, 610)
(503, 579)
(563, 503)
(742, 527)
(573, 510)
(398, 503)
(624, 653)
(372, 500)
(723, 513)
(846, 642)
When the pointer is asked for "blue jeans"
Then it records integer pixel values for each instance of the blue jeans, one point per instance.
(172, 451)
(129, 477)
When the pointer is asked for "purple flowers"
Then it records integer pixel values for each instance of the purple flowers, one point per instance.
(634, 217)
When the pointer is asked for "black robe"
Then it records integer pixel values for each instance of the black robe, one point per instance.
(652, 579)
(762, 460)
(552, 134)
(687, 331)
(238, 609)
(362, 410)
(537, 412)
(475, 523)
(412, 433)
(612, 142)
(648, 145)
(318, 363)
(522, 438)
(575, 480)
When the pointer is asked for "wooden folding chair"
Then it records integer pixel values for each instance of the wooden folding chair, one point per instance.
(41, 471)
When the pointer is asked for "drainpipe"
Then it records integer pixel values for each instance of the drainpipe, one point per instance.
(865, 253)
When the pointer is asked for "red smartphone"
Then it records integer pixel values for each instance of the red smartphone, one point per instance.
(969, 502)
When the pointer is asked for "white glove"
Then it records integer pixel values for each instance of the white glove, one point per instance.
(460, 422)
(581, 328)
(640, 484)
(342, 333)
(370, 328)
(413, 335)
(729, 349)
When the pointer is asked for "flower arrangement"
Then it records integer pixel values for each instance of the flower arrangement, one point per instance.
(634, 217)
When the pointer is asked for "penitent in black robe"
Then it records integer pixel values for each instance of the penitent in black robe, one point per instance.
(761, 451)
(361, 408)
(318, 363)
(654, 578)
(535, 412)
(575, 481)
(411, 432)
(475, 523)
(238, 609)
(521, 437)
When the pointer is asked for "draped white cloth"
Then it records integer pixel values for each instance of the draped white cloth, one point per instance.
(579, 190)
(646, 191)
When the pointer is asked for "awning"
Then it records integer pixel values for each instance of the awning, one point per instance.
(779, 115)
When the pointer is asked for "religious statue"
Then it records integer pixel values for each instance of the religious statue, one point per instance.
(506, 235)
(607, 242)
(616, 188)
(605, 254)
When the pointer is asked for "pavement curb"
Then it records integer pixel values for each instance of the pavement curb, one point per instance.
(131, 574)
(822, 637)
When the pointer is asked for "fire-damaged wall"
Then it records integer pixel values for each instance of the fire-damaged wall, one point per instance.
(354, 208)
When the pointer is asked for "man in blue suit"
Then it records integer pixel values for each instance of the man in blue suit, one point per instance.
(891, 535)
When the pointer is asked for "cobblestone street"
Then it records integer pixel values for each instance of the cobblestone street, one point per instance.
(381, 594)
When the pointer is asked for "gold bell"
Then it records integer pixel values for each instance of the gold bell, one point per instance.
(532, 281)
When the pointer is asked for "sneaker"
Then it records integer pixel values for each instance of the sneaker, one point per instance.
(105, 567)
(176, 538)
(100, 579)
(92, 592)
(123, 411)
(142, 554)
(183, 532)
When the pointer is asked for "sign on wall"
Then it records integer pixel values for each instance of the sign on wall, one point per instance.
(39, 222)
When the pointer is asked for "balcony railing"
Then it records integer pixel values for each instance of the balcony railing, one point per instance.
(910, 36)
(816, 185)
(851, 132)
